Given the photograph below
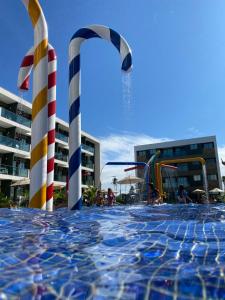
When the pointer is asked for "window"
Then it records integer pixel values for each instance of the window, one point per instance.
(152, 151)
(183, 167)
(180, 151)
(183, 181)
(210, 161)
(141, 153)
(212, 177)
(194, 146)
(170, 183)
(167, 152)
(208, 146)
(197, 177)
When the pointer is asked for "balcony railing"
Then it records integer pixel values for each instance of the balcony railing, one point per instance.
(88, 164)
(61, 137)
(88, 148)
(9, 142)
(15, 171)
(88, 182)
(14, 117)
(61, 156)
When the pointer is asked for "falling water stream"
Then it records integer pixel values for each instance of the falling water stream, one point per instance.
(128, 102)
(205, 181)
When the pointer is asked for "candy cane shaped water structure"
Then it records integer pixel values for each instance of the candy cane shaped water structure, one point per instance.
(23, 84)
(93, 31)
(39, 138)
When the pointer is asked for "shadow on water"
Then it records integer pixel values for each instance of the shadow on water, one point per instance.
(136, 252)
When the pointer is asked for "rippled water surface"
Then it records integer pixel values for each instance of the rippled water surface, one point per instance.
(136, 252)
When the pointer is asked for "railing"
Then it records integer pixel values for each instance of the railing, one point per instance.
(9, 142)
(14, 117)
(61, 137)
(88, 182)
(61, 178)
(88, 148)
(15, 171)
(61, 156)
(89, 165)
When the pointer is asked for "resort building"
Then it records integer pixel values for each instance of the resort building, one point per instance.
(189, 174)
(15, 138)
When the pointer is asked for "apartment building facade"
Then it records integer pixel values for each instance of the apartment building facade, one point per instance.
(188, 174)
(15, 139)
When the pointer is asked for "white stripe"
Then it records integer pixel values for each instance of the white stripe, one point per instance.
(40, 30)
(52, 94)
(74, 48)
(49, 205)
(74, 191)
(75, 135)
(50, 178)
(124, 48)
(52, 66)
(102, 31)
(74, 88)
(39, 127)
(40, 76)
(51, 123)
(24, 72)
(51, 150)
(37, 181)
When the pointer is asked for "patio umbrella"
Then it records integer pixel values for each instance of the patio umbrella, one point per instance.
(198, 191)
(130, 180)
(216, 191)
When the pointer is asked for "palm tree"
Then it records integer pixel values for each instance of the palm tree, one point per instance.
(89, 195)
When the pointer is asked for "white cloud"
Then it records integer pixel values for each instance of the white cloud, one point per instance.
(120, 148)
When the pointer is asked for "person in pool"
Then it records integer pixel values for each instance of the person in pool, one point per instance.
(99, 200)
(110, 197)
(153, 195)
(182, 195)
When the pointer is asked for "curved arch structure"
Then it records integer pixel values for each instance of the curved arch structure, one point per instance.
(180, 160)
(39, 138)
(23, 84)
(93, 31)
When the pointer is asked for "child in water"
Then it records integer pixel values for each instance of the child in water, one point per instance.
(153, 195)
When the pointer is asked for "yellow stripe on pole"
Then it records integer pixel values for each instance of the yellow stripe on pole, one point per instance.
(39, 151)
(40, 51)
(39, 106)
(34, 11)
(39, 102)
(37, 200)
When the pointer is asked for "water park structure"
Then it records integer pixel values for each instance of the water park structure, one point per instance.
(93, 31)
(23, 85)
(39, 136)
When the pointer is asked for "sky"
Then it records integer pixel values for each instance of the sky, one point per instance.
(177, 86)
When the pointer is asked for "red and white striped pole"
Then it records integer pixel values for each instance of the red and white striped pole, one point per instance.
(23, 84)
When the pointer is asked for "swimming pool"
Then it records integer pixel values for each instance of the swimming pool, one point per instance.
(136, 252)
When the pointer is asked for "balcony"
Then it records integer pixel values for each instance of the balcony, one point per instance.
(9, 142)
(15, 171)
(59, 177)
(61, 137)
(88, 164)
(61, 156)
(88, 148)
(14, 117)
(88, 181)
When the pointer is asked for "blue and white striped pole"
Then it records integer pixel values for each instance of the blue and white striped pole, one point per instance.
(93, 31)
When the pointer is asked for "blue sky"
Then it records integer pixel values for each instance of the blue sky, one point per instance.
(178, 78)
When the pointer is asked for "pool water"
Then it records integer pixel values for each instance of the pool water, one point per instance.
(122, 252)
